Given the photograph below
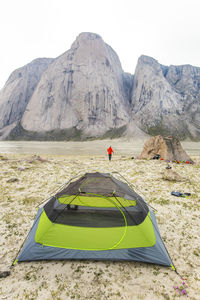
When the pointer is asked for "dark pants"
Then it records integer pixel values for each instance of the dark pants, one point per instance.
(109, 155)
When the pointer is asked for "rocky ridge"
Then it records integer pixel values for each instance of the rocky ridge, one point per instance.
(84, 93)
(166, 100)
(18, 90)
(82, 89)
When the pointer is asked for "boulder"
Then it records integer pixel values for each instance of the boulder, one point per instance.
(169, 148)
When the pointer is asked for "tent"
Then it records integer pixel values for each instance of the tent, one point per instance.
(168, 148)
(95, 217)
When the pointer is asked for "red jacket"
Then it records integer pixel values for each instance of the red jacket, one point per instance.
(110, 150)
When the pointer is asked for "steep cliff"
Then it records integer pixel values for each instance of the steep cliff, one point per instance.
(166, 100)
(84, 93)
(82, 89)
(19, 89)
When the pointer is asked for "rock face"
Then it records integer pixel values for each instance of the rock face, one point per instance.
(85, 93)
(169, 148)
(82, 89)
(166, 100)
(19, 89)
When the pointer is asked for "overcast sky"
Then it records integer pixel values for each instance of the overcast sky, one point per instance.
(167, 30)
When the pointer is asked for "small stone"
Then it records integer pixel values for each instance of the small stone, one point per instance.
(4, 274)
(12, 180)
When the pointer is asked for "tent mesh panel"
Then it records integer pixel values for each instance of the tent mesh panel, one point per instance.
(104, 186)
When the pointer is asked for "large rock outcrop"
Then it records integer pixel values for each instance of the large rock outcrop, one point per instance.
(81, 89)
(166, 100)
(18, 90)
(169, 148)
(85, 93)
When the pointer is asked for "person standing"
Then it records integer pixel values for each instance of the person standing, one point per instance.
(110, 151)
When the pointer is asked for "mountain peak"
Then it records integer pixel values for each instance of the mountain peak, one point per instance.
(147, 60)
(88, 36)
(81, 89)
(84, 93)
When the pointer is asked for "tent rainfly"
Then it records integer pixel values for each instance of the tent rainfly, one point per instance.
(95, 217)
(168, 148)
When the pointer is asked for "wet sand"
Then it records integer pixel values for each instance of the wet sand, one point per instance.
(26, 181)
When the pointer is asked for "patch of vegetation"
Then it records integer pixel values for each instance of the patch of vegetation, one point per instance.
(7, 218)
(196, 252)
(161, 129)
(29, 200)
(162, 201)
(114, 133)
(72, 134)
(158, 129)
(19, 133)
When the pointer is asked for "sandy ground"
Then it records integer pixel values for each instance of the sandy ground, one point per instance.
(26, 181)
(131, 147)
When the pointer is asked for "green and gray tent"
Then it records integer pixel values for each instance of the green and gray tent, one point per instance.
(96, 217)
